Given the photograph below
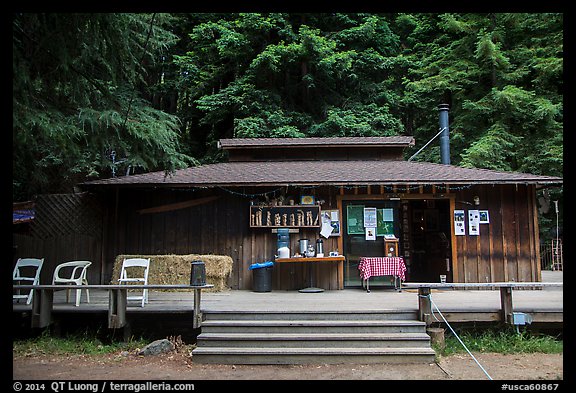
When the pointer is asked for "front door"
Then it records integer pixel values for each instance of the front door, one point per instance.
(358, 241)
(427, 250)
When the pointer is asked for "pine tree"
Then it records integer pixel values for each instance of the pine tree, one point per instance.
(78, 88)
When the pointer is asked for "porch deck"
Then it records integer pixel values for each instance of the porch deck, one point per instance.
(545, 304)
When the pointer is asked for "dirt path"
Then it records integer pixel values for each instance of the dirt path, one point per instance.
(179, 366)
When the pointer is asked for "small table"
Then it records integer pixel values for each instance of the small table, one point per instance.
(382, 266)
(340, 259)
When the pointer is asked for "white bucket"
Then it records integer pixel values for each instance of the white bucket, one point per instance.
(283, 252)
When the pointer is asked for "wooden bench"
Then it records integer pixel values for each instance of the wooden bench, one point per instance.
(42, 301)
(506, 311)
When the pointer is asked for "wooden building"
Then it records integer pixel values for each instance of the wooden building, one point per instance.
(236, 207)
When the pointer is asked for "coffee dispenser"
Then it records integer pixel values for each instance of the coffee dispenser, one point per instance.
(303, 246)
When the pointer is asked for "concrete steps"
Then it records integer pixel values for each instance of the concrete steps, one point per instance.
(304, 326)
(317, 315)
(313, 338)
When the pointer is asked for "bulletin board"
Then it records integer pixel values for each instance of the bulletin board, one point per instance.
(385, 222)
(355, 219)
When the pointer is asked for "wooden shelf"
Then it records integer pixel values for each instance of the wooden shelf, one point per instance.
(339, 258)
(285, 216)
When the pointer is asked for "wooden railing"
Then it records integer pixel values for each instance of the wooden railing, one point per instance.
(552, 255)
(42, 301)
(506, 310)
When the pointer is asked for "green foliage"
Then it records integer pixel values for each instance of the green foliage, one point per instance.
(290, 75)
(78, 95)
(358, 120)
(501, 341)
(86, 343)
(494, 150)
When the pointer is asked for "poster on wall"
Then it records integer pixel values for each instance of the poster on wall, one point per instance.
(370, 233)
(473, 222)
(370, 217)
(330, 223)
(459, 228)
(484, 217)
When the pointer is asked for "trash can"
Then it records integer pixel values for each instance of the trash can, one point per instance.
(262, 276)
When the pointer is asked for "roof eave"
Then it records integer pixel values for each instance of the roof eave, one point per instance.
(327, 183)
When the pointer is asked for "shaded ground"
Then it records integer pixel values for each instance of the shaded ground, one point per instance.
(180, 366)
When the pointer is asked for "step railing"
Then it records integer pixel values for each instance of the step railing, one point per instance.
(506, 310)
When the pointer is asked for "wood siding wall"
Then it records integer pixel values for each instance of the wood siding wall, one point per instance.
(67, 227)
(506, 250)
(217, 227)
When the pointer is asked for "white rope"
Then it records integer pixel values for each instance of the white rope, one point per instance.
(453, 332)
(427, 143)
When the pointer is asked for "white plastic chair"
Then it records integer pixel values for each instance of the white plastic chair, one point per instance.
(128, 274)
(73, 272)
(26, 271)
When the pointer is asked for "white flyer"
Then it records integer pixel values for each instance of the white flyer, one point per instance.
(459, 229)
(370, 216)
(371, 233)
(326, 230)
(473, 222)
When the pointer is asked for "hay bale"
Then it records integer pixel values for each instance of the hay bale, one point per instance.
(175, 269)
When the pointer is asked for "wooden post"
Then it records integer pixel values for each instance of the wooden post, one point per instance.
(454, 243)
(424, 305)
(117, 308)
(42, 308)
(197, 315)
(506, 304)
(437, 337)
(127, 331)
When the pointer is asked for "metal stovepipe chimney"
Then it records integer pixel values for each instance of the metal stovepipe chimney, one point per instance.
(445, 136)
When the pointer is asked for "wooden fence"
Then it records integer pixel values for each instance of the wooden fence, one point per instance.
(552, 255)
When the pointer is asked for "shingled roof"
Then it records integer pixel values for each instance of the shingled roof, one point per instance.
(338, 173)
(266, 143)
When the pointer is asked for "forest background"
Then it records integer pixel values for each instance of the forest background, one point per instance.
(101, 95)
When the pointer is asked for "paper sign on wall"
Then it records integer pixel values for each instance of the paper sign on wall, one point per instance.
(370, 217)
(484, 217)
(459, 228)
(371, 233)
(473, 222)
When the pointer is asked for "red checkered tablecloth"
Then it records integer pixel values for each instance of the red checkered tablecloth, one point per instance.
(382, 266)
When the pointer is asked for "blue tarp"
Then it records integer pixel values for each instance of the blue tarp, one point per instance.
(261, 265)
(25, 215)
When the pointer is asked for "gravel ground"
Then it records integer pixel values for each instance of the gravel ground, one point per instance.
(180, 366)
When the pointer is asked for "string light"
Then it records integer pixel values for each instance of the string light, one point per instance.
(244, 195)
(389, 188)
